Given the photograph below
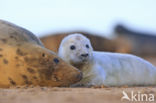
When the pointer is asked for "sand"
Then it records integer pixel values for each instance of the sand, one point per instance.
(69, 95)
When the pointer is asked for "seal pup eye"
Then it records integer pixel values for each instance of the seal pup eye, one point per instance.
(72, 47)
(87, 46)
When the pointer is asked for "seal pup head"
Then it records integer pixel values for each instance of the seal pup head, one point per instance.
(75, 49)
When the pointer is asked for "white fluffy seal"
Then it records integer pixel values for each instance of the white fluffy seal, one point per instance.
(104, 68)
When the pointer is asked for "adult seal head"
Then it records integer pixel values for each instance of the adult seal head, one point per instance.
(25, 61)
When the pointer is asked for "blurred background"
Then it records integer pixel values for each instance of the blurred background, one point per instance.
(126, 26)
(97, 16)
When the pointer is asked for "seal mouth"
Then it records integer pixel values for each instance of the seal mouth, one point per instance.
(84, 59)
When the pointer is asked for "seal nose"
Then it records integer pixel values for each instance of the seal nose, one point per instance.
(84, 55)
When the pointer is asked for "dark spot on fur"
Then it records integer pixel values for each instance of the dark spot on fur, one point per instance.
(38, 62)
(5, 61)
(34, 77)
(46, 66)
(16, 57)
(1, 55)
(1, 49)
(26, 59)
(43, 55)
(46, 73)
(17, 65)
(3, 40)
(30, 70)
(13, 37)
(29, 82)
(11, 81)
(19, 52)
(26, 79)
(56, 60)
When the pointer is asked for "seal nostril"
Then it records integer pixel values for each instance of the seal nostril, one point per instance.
(84, 55)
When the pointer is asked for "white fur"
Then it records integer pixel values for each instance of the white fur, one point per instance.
(103, 68)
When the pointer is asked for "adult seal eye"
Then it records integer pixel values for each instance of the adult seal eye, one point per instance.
(72, 47)
(87, 46)
(56, 60)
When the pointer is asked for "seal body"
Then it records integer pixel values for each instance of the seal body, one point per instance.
(104, 68)
(25, 61)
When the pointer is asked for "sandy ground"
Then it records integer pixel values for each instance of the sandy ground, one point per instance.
(69, 95)
(73, 95)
